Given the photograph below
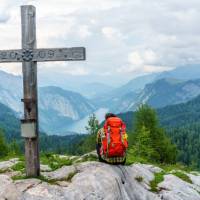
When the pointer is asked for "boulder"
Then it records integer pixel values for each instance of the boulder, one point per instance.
(6, 165)
(174, 188)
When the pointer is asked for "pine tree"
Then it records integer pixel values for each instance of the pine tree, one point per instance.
(151, 137)
(89, 143)
(93, 125)
(3, 145)
(14, 148)
(144, 146)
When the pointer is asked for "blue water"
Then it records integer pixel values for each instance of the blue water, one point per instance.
(79, 126)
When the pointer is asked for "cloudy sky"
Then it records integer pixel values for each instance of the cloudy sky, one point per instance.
(123, 38)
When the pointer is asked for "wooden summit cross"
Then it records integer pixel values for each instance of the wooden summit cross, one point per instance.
(29, 56)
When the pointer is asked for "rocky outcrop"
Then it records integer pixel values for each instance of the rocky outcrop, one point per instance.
(98, 181)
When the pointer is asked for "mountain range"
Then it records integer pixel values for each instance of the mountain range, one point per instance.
(11, 91)
(158, 94)
(157, 89)
(60, 108)
(178, 115)
(167, 92)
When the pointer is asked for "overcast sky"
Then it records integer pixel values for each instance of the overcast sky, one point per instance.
(123, 38)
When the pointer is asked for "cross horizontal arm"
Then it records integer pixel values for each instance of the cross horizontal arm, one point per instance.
(42, 55)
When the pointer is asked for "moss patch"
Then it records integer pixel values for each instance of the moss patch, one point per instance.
(139, 179)
(19, 177)
(42, 178)
(71, 175)
(3, 171)
(182, 176)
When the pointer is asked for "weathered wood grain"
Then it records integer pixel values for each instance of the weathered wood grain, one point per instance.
(30, 89)
(43, 55)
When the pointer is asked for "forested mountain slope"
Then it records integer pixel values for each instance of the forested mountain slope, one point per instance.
(9, 122)
(182, 124)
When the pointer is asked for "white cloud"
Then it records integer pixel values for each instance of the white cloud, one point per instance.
(150, 56)
(111, 33)
(15, 69)
(65, 68)
(135, 58)
(142, 62)
(142, 36)
(142, 58)
(84, 31)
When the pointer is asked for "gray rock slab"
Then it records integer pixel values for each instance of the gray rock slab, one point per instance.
(195, 179)
(25, 184)
(8, 190)
(60, 174)
(146, 172)
(63, 183)
(45, 168)
(100, 181)
(45, 191)
(173, 188)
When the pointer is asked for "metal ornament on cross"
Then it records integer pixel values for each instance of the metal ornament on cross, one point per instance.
(29, 55)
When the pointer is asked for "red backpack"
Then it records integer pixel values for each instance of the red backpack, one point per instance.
(115, 143)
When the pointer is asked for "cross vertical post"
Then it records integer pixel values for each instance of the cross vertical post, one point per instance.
(29, 55)
(30, 100)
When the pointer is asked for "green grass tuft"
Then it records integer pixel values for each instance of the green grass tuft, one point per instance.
(54, 161)
(20, 166)
(159, 177)
(177, 166)
(19, 177)
(132, 158)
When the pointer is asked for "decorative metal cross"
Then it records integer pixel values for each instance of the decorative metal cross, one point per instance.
(29, 55)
